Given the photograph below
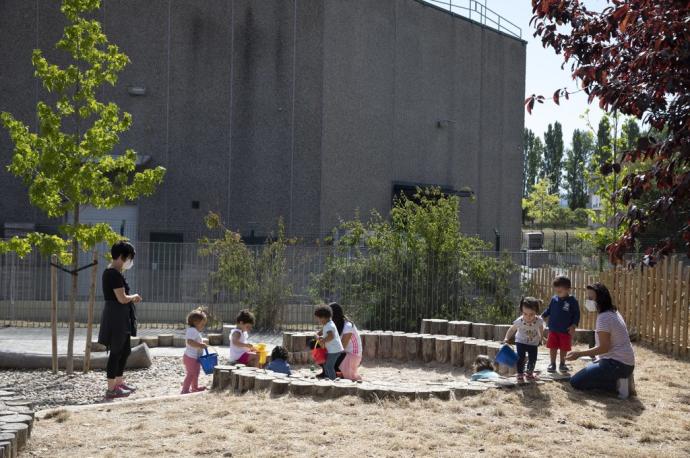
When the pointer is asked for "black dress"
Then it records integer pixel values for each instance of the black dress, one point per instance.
(118, 321)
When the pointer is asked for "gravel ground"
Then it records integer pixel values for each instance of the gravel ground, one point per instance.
(163, 378)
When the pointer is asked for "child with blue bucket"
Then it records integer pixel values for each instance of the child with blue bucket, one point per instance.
(528, 330)
(196, 321)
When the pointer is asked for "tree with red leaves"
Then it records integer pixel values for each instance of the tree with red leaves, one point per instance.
(634, 57)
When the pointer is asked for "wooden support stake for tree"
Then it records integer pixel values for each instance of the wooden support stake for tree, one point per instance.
(53, 313)
(89, 319)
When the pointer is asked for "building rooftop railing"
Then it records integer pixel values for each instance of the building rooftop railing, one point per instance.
(477, 11)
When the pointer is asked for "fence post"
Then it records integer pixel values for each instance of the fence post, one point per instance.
(53, 313)
(497, 243)
(86, 366)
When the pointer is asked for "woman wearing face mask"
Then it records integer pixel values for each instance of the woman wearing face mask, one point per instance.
(118, 321)
(615, 360)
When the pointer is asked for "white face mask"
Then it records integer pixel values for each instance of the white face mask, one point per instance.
(591, 305)
(128, 264)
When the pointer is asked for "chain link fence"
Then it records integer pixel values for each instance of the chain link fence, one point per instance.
(377, 292)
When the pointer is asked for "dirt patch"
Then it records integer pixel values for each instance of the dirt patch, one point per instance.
(524, 421)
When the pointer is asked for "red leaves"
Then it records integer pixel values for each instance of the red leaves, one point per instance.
(529, 102)
(633, 57)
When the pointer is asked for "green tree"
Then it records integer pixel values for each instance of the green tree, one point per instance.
(602, 152)
(576, 164)
(553, 156)
(541, 205)
(259, 278)
(533, 151)
(394, 272)
(631, 133)
(65, 169)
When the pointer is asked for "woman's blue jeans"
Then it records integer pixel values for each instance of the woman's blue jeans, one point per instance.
(602, 374)
(329, 367)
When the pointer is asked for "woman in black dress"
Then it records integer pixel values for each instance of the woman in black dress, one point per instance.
(118, 321)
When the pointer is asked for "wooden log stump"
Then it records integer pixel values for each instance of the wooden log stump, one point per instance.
(368, 393)
(298, 342)
(464, 328)
(18, 418)
(469, 390)
(287, 340)
(235, 379)
(246, 381)
(262, 382)
(456, 352)
(412, 346)
(422, 394)
(20, 430)
(482, 331)
(400, 347)
(426, 326)
(5, 449)
(301, 388)
(439, 327)
(440, 392)
(481, 347)
(385, 346)
(500, 331)
(454, 328)
(428, 348)
(279, 386)
(134, 341)
(371, 346)
(323, 389)
(165, 340)
(179, 341)
(341, 389)
(12, 440)
(224, 377)
(469, 353)
(442, 349)
(215, 339)
(21, 409)
(150, 341)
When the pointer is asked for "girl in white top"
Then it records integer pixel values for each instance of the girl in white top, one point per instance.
(196, 321)
(352, 343)
(241, 351)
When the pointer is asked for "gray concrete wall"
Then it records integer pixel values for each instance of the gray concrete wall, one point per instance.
(392, 70)
(301, 109)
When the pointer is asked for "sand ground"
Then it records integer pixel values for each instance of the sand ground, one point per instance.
(535, 420)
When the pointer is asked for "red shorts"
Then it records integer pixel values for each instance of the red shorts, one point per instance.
(559, 340)
(244, 359)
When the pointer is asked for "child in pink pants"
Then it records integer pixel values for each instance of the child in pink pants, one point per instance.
(196, 321)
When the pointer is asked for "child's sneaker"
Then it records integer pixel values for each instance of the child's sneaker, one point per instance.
(563, 368)
(623, 387)
(551, 368)
(532, 377)
(117, 392)
(520, 378)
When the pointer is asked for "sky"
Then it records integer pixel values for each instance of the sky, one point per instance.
(544, 74)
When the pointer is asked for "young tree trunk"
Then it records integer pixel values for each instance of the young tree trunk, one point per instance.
(53, 313)
(89, 322)
(73, 297)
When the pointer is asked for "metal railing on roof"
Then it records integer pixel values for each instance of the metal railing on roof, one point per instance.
(478, 12)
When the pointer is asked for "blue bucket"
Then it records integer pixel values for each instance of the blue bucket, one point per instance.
(506, 356)
(208, 361)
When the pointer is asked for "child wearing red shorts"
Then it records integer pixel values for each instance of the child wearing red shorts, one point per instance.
(563, 315)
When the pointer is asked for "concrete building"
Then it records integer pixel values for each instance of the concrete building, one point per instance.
(300, 109)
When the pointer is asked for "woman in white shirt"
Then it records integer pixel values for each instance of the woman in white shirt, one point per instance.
(615, 363)
(352, 342)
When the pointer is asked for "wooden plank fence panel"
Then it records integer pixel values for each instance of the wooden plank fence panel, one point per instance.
(678, 297)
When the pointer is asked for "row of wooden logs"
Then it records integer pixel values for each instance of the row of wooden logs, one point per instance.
(16, 423)
(486, 331)
(242, 379)
(164, 340)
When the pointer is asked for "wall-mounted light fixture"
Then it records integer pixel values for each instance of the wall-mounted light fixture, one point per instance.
(441, 123)
(136, 90)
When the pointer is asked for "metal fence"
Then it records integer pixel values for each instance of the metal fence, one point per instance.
(393, 292)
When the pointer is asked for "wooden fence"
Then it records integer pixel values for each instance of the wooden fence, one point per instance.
(655, 302)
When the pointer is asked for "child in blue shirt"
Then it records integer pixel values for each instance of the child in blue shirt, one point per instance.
(484, 369)
(563, 315)
(279, 364)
